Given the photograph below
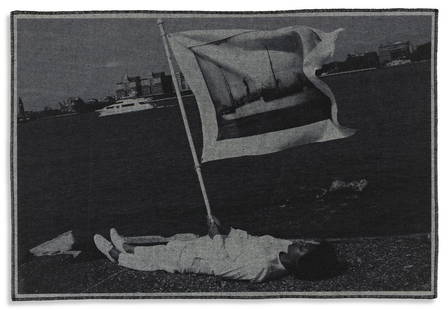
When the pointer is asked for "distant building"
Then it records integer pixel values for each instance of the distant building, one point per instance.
(160, 83)
(129, 87)
(21, 108)
(181, 82)
(157, 85)
(393, 52)
(21, 114)
(146, 87)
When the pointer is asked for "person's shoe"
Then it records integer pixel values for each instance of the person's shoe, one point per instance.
(103, 246)
(117, 240)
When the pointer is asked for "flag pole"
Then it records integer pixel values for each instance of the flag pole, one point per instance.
(197, 165)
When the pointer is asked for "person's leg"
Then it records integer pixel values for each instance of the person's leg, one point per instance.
(128, 248)
(114, 253)
(121, 242)
(135, 262)
(152, 239)
(183, 237)
(105, 247)
(146, 259)
(151, 258)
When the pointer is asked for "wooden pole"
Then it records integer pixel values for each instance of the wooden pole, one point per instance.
(197, 165)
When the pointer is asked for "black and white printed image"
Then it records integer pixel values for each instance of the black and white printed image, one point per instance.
(224, 155)
(246, 80)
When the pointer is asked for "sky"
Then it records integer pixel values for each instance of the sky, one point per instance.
(60, 58)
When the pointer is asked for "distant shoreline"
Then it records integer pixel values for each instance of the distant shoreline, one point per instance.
(371, 69)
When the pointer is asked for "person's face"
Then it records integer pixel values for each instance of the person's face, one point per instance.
(295, 251)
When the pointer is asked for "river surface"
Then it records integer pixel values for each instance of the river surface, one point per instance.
(135, 172)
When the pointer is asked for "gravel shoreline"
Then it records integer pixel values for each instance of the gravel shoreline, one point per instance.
(397, 263)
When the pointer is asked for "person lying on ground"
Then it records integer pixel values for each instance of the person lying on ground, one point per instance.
(228, 253)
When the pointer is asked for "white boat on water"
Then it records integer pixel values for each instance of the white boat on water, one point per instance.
(126, 106)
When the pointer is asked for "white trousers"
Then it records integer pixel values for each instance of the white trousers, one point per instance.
(158, 257)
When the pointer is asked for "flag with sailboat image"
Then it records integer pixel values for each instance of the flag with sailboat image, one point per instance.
(257, 91)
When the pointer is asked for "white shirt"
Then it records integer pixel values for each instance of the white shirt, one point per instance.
(237, 256)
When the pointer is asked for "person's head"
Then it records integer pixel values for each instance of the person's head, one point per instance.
(310, 261)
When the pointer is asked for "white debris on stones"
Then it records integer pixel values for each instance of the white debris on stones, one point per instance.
(62, 244)
(357, 186)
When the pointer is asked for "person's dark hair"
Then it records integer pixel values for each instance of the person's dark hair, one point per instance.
(319, 263)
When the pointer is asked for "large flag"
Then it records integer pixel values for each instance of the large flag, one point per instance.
(257, 91)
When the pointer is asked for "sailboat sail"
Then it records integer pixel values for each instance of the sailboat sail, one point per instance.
(257, 91)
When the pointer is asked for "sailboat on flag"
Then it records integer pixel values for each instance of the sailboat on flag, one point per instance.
(257, 91)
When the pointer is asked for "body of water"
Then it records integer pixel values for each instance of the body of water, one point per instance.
(135, 172)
